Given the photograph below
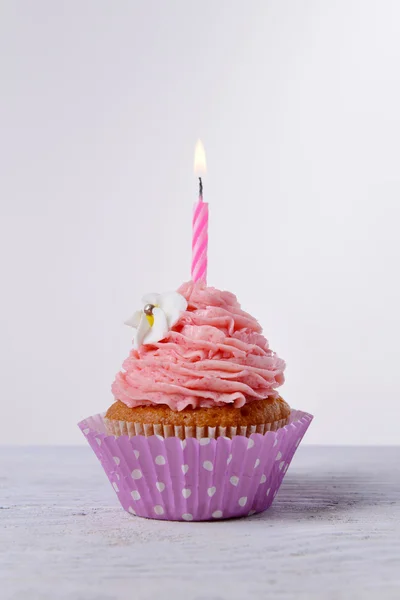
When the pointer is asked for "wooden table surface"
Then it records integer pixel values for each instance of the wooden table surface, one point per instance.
(332, 533)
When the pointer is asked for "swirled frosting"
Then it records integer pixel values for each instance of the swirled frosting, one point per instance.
(214, 355)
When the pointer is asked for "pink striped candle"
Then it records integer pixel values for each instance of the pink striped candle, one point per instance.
(200, 238)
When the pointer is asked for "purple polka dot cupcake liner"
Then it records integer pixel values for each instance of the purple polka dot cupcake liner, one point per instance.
(196, 480)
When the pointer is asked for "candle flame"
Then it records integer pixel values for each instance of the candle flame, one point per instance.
(200, 165)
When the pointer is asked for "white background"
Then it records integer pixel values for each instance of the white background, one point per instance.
(298, 105)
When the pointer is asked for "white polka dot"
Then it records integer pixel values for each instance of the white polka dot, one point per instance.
(281, 465)
(256, 463)
(136, 453)
(298, 442)
(131, 510)
(207, 465)
(98, 440)
(160, 486)
(86, 431)
(250, 444)
(252, 512)
(160, 460)
(275, 442)
(158, 509)
(116, 459)
(183, 444)
(268, 491)
(135, 495)
(211, 491)
(204, 441)
(263, 479)
(217, 514)
(229, 459)
(137, 474)
(117, 476)
(187, 517)
(242, 500)
(286, 467)
(278, 456)
(234, 480)
(186, 492)
(115, 487)
(185, 469)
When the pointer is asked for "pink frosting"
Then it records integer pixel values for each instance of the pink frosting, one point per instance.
(214, 355)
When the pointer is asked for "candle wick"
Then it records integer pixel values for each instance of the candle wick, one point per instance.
(200, 188)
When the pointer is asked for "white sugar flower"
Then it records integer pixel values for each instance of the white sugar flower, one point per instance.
(160, 312)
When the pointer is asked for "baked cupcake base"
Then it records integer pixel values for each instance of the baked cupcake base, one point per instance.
(259, 416)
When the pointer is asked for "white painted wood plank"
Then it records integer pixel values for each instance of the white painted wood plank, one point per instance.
(333, 533)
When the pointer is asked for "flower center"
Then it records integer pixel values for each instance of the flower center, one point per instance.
(148, 311)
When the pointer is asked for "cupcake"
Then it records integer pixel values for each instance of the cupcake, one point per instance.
(200, 367)
(197, 430)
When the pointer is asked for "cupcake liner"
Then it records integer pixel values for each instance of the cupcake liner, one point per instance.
(131, 428)
(196, 479)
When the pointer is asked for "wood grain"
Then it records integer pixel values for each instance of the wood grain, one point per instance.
(333, 533)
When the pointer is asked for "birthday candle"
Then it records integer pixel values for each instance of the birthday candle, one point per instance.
(200, 222)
